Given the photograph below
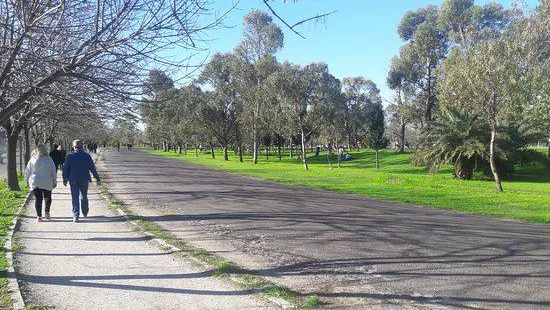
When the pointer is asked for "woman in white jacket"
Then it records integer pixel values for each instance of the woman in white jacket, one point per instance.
(41, 176)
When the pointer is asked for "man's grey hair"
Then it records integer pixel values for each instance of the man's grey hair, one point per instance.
(78, 143)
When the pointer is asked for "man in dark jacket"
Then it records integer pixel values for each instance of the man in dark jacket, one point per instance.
(55, 154)
(76, 171)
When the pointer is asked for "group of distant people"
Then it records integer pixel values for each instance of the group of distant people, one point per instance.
(41, 176)
(128, 145)
(92, 147)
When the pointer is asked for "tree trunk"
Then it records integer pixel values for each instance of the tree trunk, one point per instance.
(27, 145)
(304, 159)
(492, 163)
(402, 137)
(225, 155)
(239, 142)
(255, 145)
(279, 149)
(255, 125)
(212, 150)
(267, 152)
(377, 160)
(240, 152)
(291, 147)
(13, 182)
(328, 161)
(429, 99)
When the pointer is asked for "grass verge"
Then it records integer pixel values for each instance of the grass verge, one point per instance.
(218, 266)
(526, 193)
(9, 203)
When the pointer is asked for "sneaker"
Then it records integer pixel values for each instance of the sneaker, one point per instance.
(39, 219)
(47, 217)
(75, 219)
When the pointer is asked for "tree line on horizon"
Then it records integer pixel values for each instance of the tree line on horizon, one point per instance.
(248, 98)
(470, 81)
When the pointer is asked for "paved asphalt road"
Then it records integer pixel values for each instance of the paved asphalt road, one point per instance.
(354, 252)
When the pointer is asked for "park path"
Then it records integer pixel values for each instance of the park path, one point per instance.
(352, 251)
(101, 263)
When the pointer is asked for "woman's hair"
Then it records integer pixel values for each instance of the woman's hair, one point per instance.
(40, 150)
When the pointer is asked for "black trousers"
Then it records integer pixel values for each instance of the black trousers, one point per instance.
(39, 196)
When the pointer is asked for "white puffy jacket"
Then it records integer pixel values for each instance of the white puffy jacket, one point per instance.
(41, 173)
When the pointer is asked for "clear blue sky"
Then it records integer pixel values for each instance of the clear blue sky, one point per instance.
(358, 40)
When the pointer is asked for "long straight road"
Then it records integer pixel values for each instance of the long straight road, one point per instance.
(352, 251)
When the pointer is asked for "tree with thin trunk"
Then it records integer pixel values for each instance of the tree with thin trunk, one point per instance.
(375, 127)
(262, 39)
(307, 95)
(486, 79)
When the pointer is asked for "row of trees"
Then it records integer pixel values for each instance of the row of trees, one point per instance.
(248, 98)
(475, 80)
(67, 66)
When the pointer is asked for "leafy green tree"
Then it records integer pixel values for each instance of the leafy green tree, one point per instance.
(485, 79)
(262, 38)
(456, 138)
(403, 109)
(455, 16)
(126, 129)
(267, 141)
(307, 95)
(229, 75)
(426, 46)
(218, 119)
(531, 36)
(375, 127)
(279, 141)
(358, 91)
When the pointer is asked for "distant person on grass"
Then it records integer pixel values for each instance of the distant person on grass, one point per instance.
(41, 176)
(76, 171)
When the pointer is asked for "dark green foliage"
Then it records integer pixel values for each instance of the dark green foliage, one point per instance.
(456, 138)
(374, 126)
(267, 140)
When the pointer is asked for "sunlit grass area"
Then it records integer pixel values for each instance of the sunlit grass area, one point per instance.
(526, 194)
(9, 202)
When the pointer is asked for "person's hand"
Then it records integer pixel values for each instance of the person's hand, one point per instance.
(65, 183)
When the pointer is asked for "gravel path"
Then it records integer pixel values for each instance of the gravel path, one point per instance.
(354, 252)
(101, 263)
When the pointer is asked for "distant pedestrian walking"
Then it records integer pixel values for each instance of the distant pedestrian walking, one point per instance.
(41, 176)
(76, 171)
(62, 155)
(56, 156)
(340, 155)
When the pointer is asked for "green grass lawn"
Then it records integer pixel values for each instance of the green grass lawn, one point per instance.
(526, 195)
(9, 202)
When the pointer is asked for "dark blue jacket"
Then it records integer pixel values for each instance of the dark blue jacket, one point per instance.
(77, 167)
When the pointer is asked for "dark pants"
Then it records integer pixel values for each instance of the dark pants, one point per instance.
(39, 195)
(79, 197)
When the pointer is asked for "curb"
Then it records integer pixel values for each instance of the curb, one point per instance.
(283, 304)
(13, 285)
(280, 302)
